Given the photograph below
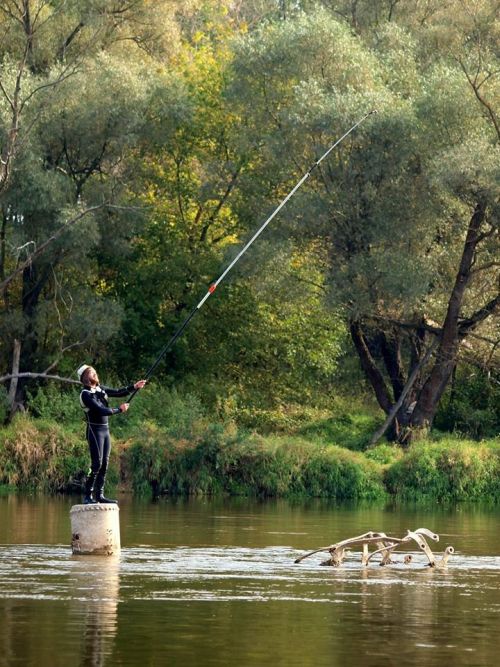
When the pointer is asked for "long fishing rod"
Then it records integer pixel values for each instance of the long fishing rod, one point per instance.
(217, 282)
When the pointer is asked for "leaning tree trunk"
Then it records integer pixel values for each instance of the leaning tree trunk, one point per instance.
(446, 357)
(396, 389)
(374, 376)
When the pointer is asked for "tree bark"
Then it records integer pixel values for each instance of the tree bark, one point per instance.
(43, 376)
(16, 356)
(446, 357)
(391, 353)
(369, 367)
(404, 393)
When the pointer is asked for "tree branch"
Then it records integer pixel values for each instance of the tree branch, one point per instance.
(481, 99)
(62, 49)
(19, 269)
(489, 265)
(411, 381)
(5, 378)
(220, 204)
(423, 324)
(479, 316)
(369, 367)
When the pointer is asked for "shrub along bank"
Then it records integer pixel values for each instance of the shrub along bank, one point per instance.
(225, 461)
(40, 455)
(449, 469)
(203, 458)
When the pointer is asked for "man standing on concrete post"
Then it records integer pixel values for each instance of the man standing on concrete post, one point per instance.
(94, 401)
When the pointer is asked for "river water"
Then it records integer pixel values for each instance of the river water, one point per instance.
(213, 582)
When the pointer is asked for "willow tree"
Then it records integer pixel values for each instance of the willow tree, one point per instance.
(251, 344)
(74, 82)
(470, 174)
(407, 209)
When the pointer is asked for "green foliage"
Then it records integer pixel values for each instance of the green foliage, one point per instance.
(344, 422)
(288, 419)
(350, 430)
(447, 470)
(223, 461)
(53, 403)
(190, 135)
(472, 406)
(4, 407)
(384, 454)
(215, 459)
(180, 416)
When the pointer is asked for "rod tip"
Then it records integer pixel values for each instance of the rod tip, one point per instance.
(373, 111)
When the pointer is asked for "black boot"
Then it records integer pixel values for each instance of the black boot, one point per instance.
(100, 498)
(103, 499)
(89, 489)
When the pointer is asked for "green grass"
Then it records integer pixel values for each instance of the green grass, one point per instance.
(226, 461)
(352, 431)
(42, 455)
(183, 453)
(448, 469)
(347, 422)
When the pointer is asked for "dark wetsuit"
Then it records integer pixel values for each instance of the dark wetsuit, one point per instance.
(94, 400)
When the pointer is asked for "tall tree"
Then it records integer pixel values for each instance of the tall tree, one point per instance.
(408, 207)
(74, 83)
(191, 172)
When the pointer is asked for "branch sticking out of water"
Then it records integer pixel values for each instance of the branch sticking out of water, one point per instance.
(385, 546)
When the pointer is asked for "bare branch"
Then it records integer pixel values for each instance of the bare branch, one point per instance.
(63, 350)
(48, 242)
(479, 316)
(475, 87)
(485, 339)
(62, 50)
(45, 376)
(484, 267)
(66, 74)
(422, 324)
(7, 96)
(8, 12)
(220, 204)
(321, 288)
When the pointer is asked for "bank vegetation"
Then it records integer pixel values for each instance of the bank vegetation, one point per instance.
(298, 453)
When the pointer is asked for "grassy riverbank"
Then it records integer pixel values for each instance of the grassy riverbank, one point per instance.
(291, 454)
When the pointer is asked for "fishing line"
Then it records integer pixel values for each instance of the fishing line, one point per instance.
(217, 282)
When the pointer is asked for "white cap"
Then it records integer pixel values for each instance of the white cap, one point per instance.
(81, 370)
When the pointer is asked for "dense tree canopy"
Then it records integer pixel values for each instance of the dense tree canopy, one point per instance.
(142, 142)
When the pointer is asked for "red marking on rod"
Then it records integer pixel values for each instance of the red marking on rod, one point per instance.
(212, 288)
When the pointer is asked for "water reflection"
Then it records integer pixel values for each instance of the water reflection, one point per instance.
(94, 588)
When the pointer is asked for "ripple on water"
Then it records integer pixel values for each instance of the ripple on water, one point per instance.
(221, 574)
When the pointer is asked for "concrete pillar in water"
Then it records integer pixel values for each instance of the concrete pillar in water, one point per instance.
(95, 529)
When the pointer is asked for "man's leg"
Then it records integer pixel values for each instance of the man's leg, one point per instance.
(95, 458)
(101, 477)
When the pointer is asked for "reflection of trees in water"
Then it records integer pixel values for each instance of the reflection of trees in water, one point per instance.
(7, 635)
(94, 591)
(32, 519)
(414, 607)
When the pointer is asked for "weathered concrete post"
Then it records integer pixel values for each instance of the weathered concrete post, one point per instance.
(95, 529)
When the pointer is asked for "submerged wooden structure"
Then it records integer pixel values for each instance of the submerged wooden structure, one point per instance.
(385, 546)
